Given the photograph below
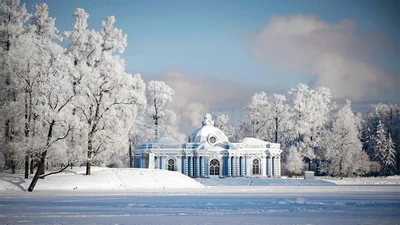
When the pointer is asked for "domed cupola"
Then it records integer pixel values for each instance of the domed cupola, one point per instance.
(208, 133)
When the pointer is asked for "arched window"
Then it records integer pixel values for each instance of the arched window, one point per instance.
(171, 164)
(256, 167)
(214, 167)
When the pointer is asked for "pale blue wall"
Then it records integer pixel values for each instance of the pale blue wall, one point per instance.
(137, 161)
(224, 166)
(183, 165)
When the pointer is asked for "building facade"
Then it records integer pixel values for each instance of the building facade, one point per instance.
(208, 153)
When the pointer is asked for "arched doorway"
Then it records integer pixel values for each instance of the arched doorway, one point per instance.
(256, 167)
(171, 165)
(214, 167)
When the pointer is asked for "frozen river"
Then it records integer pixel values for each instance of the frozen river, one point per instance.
(231, 208)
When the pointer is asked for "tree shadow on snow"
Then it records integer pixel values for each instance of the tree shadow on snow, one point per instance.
(17, 181)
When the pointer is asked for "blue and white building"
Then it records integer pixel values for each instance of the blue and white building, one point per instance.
(208, 153)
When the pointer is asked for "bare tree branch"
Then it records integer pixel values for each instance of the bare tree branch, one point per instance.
(55, 172)
(60, 138)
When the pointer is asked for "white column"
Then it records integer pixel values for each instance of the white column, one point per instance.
(248, 166)
(237, 169)
(277, 165)
(198, 166)
(203, 166)
(191, 166)
(164, 163)
(186, 165)
(229, 166)
(157, 166)
(270, 165)
(233, 166)
(178, 164)
(263, 165)
(243, 166)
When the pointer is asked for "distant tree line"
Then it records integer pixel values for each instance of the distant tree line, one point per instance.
(317, 136)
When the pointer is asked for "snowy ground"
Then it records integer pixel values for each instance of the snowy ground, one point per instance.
(101, 180)
(140, 196)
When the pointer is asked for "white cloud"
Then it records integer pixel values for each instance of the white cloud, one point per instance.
(337, 56)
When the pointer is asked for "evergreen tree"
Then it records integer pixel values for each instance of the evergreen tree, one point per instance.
(389, 161)
(380, 144)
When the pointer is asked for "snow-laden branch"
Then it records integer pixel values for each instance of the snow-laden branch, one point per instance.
(55, 172)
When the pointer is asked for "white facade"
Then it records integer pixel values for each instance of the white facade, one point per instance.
(209, 153)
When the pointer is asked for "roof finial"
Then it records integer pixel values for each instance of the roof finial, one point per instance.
(208, 120)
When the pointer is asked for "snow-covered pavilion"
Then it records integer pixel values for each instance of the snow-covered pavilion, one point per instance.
(209, 153)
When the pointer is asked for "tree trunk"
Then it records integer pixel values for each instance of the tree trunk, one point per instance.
(28, 116)
(130, 155)
(276, 130)
(88, 169)
(31, 166)
(42, 169)
(340, 170)
(26, 166)
(156, 128)
(37, 174)
(155, 117)
(89, 156)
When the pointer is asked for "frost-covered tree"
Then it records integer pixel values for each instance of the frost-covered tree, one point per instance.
(221, 122)
(256, 119)
(13, 18)
(310, 115)
(369, 131)
(294, 161)
(343, 147)
(278, 114)
(159, 96)
(389, 115)
(108, 98)
(36, 69)
(138, 130)
(54, 100)
(141, 133)
(390, 159)
(13, 29)
(267, 118)
(380, 143)
(384, 150)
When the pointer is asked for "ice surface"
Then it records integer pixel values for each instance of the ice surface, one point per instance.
(374, 208)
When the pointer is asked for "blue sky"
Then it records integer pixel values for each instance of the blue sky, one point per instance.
(243, 46)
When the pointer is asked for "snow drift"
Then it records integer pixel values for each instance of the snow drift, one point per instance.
(102, 179)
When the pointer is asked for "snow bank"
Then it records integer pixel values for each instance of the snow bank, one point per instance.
(102, 179)
(142, 181)
(363, 180)
(262, 182)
